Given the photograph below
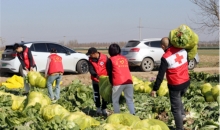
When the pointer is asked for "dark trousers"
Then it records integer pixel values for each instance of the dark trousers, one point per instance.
(177, 107)
(97, 97)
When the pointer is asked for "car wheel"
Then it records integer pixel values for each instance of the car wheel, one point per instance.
(192, 64)
(82, 67)
(147, 65)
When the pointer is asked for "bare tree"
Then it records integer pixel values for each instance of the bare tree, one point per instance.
(2, 41)
(208, 15)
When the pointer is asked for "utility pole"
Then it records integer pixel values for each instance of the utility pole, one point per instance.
(140, 29)
(2, 40)
(64, 39)
(22, 39)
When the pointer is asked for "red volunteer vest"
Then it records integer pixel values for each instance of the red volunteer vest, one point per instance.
(177, 72)
(56, 65)
(26, 59)
(100, 66)
(120, 71)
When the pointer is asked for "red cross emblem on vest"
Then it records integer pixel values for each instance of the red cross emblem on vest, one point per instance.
(179, 58)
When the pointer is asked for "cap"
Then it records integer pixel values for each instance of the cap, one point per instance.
(91, 51)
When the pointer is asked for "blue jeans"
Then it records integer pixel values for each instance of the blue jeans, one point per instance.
(50, 80)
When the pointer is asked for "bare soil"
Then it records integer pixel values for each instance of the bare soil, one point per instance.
(85, 78)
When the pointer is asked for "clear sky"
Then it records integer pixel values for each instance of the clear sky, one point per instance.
(93, 20)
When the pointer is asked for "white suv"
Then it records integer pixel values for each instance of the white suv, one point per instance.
(147, 54)
(72, 61)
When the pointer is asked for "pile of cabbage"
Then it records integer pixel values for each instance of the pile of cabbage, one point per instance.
(78, 118)
(14, 82)
(17, 101)
(37, 103)
(76, 110)
(147, 86)
(36, 79)
(105, 87)
(184, 37)
(125, 121)
(38, 109)
(210, 93)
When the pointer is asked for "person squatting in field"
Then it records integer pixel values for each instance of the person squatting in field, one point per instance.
(97, 67)
(174, 63)
(27, 62)
(120, 78)
(53, 72)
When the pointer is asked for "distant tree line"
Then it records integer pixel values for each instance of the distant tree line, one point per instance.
(74, 44)
(209, 44)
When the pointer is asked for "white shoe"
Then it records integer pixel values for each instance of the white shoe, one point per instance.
(105, 112)
(54, 101)
(184, 118)
(98, 111)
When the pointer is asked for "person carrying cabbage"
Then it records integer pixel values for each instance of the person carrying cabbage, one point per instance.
(120, 78)
(174, 63)
(97, 67)
(27, 62)
(53, 72)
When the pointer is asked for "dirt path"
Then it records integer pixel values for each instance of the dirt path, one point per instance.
(208, 69)
(85, 78)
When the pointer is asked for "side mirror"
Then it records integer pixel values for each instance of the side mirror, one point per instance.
(68, 53)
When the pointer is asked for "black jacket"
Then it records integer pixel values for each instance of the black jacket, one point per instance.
(30, 57)
(92, 70)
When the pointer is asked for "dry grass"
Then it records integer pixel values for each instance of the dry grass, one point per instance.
(1, 54)
(208, 61)
(85, 51)
(211, 52)
(208, 58)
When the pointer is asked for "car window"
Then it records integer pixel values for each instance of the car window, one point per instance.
(69, 50)
(132, 43)
(40, 47)
(59, 48)
(155, 44)
(32, 48)
(147, 43)
(9, 47)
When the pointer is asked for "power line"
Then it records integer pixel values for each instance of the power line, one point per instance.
(64, 37)
(22, 38)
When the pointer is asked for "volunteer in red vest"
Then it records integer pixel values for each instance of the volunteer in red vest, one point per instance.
(97, 67)
(120, 78)
(53, 72)
(27, 62)
(174, 63)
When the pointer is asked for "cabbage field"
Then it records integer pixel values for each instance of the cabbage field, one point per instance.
(75, 109)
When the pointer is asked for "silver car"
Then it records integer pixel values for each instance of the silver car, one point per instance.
(147, 54)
